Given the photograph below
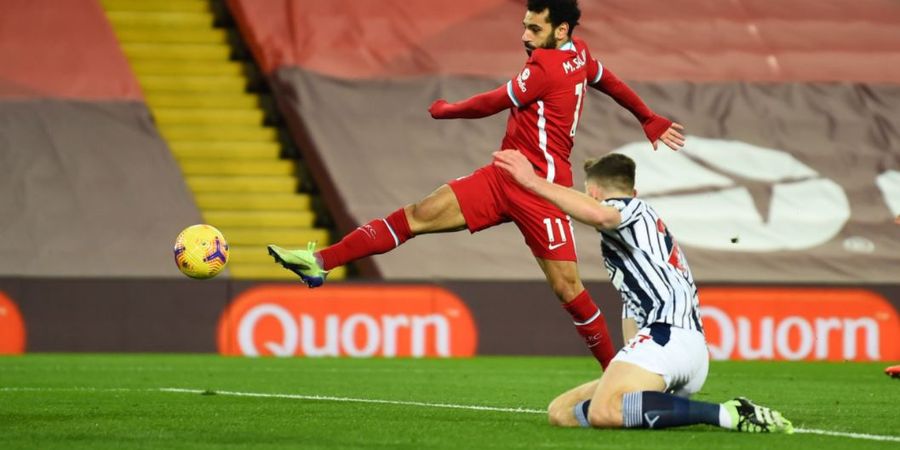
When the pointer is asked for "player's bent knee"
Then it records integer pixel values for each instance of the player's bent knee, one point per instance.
(561, 415)
(419, 213)
(555, 417)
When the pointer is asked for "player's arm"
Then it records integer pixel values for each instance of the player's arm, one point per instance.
(521, 91)
(656, 127)
(475, 107)
(576, 204)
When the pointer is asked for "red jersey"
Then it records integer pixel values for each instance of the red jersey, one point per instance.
(548, 95)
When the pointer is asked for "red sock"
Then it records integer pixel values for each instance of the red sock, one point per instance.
(591, 325)
(374, 238)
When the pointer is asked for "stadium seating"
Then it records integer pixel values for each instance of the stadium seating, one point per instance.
(216, 130)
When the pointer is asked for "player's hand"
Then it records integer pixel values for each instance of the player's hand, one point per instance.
(438, 109)
(672, 137)
(517, 165)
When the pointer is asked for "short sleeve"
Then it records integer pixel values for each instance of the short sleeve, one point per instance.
(630, 209)
(529, 85)
(594, 71)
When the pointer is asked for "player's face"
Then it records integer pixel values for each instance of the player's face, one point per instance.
(539, 32)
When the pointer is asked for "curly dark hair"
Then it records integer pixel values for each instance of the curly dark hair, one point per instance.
(560, 11)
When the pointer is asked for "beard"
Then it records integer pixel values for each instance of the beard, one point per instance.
(549, 44)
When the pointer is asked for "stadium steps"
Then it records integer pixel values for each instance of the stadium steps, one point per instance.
(158, 6)
(284, 184)
(261, 219)
(252, 202)
(225, 149)
(227, 100)
(201, 116)
(218, 130)
(194, 52)
(189, 68)
(238, 167)
(123, 19)
(176, 36)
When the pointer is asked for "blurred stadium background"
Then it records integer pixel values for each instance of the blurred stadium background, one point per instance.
(124, 121)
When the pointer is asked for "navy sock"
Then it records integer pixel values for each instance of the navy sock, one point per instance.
(650, 409)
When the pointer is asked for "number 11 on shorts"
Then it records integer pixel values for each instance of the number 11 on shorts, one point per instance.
(551, 238)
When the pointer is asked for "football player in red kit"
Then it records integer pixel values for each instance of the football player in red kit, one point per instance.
(544, 101)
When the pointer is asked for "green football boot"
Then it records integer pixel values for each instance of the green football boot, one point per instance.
(751, 418)
(301, 262)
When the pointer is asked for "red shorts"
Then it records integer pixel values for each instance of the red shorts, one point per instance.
(490, 197)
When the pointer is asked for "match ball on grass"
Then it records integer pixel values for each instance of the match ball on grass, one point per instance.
(201, 251)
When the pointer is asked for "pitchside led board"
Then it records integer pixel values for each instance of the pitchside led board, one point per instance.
(429, 321)
(12, 328)
(358, 321)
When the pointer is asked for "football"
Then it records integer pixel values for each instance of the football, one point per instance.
(201, 251)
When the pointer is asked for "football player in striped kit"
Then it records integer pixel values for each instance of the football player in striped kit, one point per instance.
(665, 359)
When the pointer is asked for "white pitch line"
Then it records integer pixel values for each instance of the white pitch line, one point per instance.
(871, 437)
(360, 400)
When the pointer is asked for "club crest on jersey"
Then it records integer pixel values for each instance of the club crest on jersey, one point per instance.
(520, 80)
(576, 63)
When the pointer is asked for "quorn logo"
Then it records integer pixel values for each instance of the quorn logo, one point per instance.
(358, 321)
(799, 324)
(12, 328)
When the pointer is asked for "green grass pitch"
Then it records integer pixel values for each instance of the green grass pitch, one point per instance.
(115, 401)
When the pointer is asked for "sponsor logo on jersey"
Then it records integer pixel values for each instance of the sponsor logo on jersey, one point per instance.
(799, 324)
(12, 327)
(520, 80)
(358, 321)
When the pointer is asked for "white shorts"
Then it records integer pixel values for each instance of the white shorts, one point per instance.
(679, 355)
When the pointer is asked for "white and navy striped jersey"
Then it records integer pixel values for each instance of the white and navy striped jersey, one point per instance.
(648, 268)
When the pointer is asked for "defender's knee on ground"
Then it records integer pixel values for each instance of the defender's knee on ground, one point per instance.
(560, 414)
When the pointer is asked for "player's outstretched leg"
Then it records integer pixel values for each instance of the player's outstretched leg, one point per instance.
(374, 238)
(438, 212)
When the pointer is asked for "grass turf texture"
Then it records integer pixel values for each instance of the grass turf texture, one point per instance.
(40, 407)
